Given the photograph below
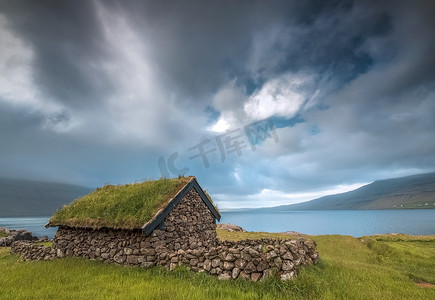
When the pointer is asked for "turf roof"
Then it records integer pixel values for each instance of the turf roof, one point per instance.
(127, 206)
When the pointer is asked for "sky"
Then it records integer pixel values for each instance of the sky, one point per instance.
(265, 102)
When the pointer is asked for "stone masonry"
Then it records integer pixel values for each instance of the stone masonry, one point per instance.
(187, 237)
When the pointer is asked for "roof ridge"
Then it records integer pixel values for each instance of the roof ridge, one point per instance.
(167, 202)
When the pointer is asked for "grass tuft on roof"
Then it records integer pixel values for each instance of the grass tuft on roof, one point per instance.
(127, 206)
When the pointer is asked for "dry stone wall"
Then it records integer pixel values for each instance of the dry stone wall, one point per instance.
(249, 259)
(188, 237)
(32, 251)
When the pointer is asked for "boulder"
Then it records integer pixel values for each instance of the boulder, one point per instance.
(230, 227)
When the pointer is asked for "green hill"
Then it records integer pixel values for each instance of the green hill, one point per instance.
(21, 198)
(417, 191)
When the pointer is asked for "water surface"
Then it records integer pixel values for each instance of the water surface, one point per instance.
(346, 222)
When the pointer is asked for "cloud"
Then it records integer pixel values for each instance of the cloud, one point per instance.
(99, 91)
(270, 198)
(281, 96)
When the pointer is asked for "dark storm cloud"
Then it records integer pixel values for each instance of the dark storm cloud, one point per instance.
(197, 45)
(66, 39)
(130, 81)
(200, 45)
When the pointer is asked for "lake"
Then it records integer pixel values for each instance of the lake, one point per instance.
(346, 222)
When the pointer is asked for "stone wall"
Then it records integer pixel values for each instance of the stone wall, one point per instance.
(32, 251)
(188, 237)
(249, 259)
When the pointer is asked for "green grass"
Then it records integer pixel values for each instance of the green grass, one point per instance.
(2, 234)
(124, 206)
(376, 267)
(46, 244)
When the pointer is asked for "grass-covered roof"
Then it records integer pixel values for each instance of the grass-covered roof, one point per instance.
(120, 206)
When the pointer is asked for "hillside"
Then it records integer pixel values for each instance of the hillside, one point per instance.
(417, 191)
(20, 198)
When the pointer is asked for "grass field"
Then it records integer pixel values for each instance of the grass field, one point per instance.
(2, 234)
(376, 267)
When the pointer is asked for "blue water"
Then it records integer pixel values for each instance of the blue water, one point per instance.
(33, 224)
(346, 222)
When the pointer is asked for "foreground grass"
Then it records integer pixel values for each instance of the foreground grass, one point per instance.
(377, 267)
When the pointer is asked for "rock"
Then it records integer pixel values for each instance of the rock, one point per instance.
(15, 235)
(256, 276)
(234, 251)
(287, 275)
(194, 262)
(145, 244)
(128, 251)
(119, 258)
(287, 256)
(271, 255)
(230, 257)
(172, 266)
(148, 252)
(245, 275)
(292, 246)
(262, 265)
(151, 258)
(215, 262)
(59, 253)
(228, 265)
(240, 263)
(292, 233)
(287, 265)
(230, 227)
(278, 262)
(207, 265)
(266, 274)
(132, 259)
(315, 257)
(250, 267)
(235, 273)
(270, 248)
(224, 276)
(246, 256)
(253, 252)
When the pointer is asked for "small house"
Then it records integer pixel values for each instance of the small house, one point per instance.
(137, 224)
(166, 222)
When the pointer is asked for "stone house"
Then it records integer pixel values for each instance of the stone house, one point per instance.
(182, 217)
(167, 222)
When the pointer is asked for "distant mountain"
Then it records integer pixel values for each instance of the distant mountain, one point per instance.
(417, 191)
(20, 198)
